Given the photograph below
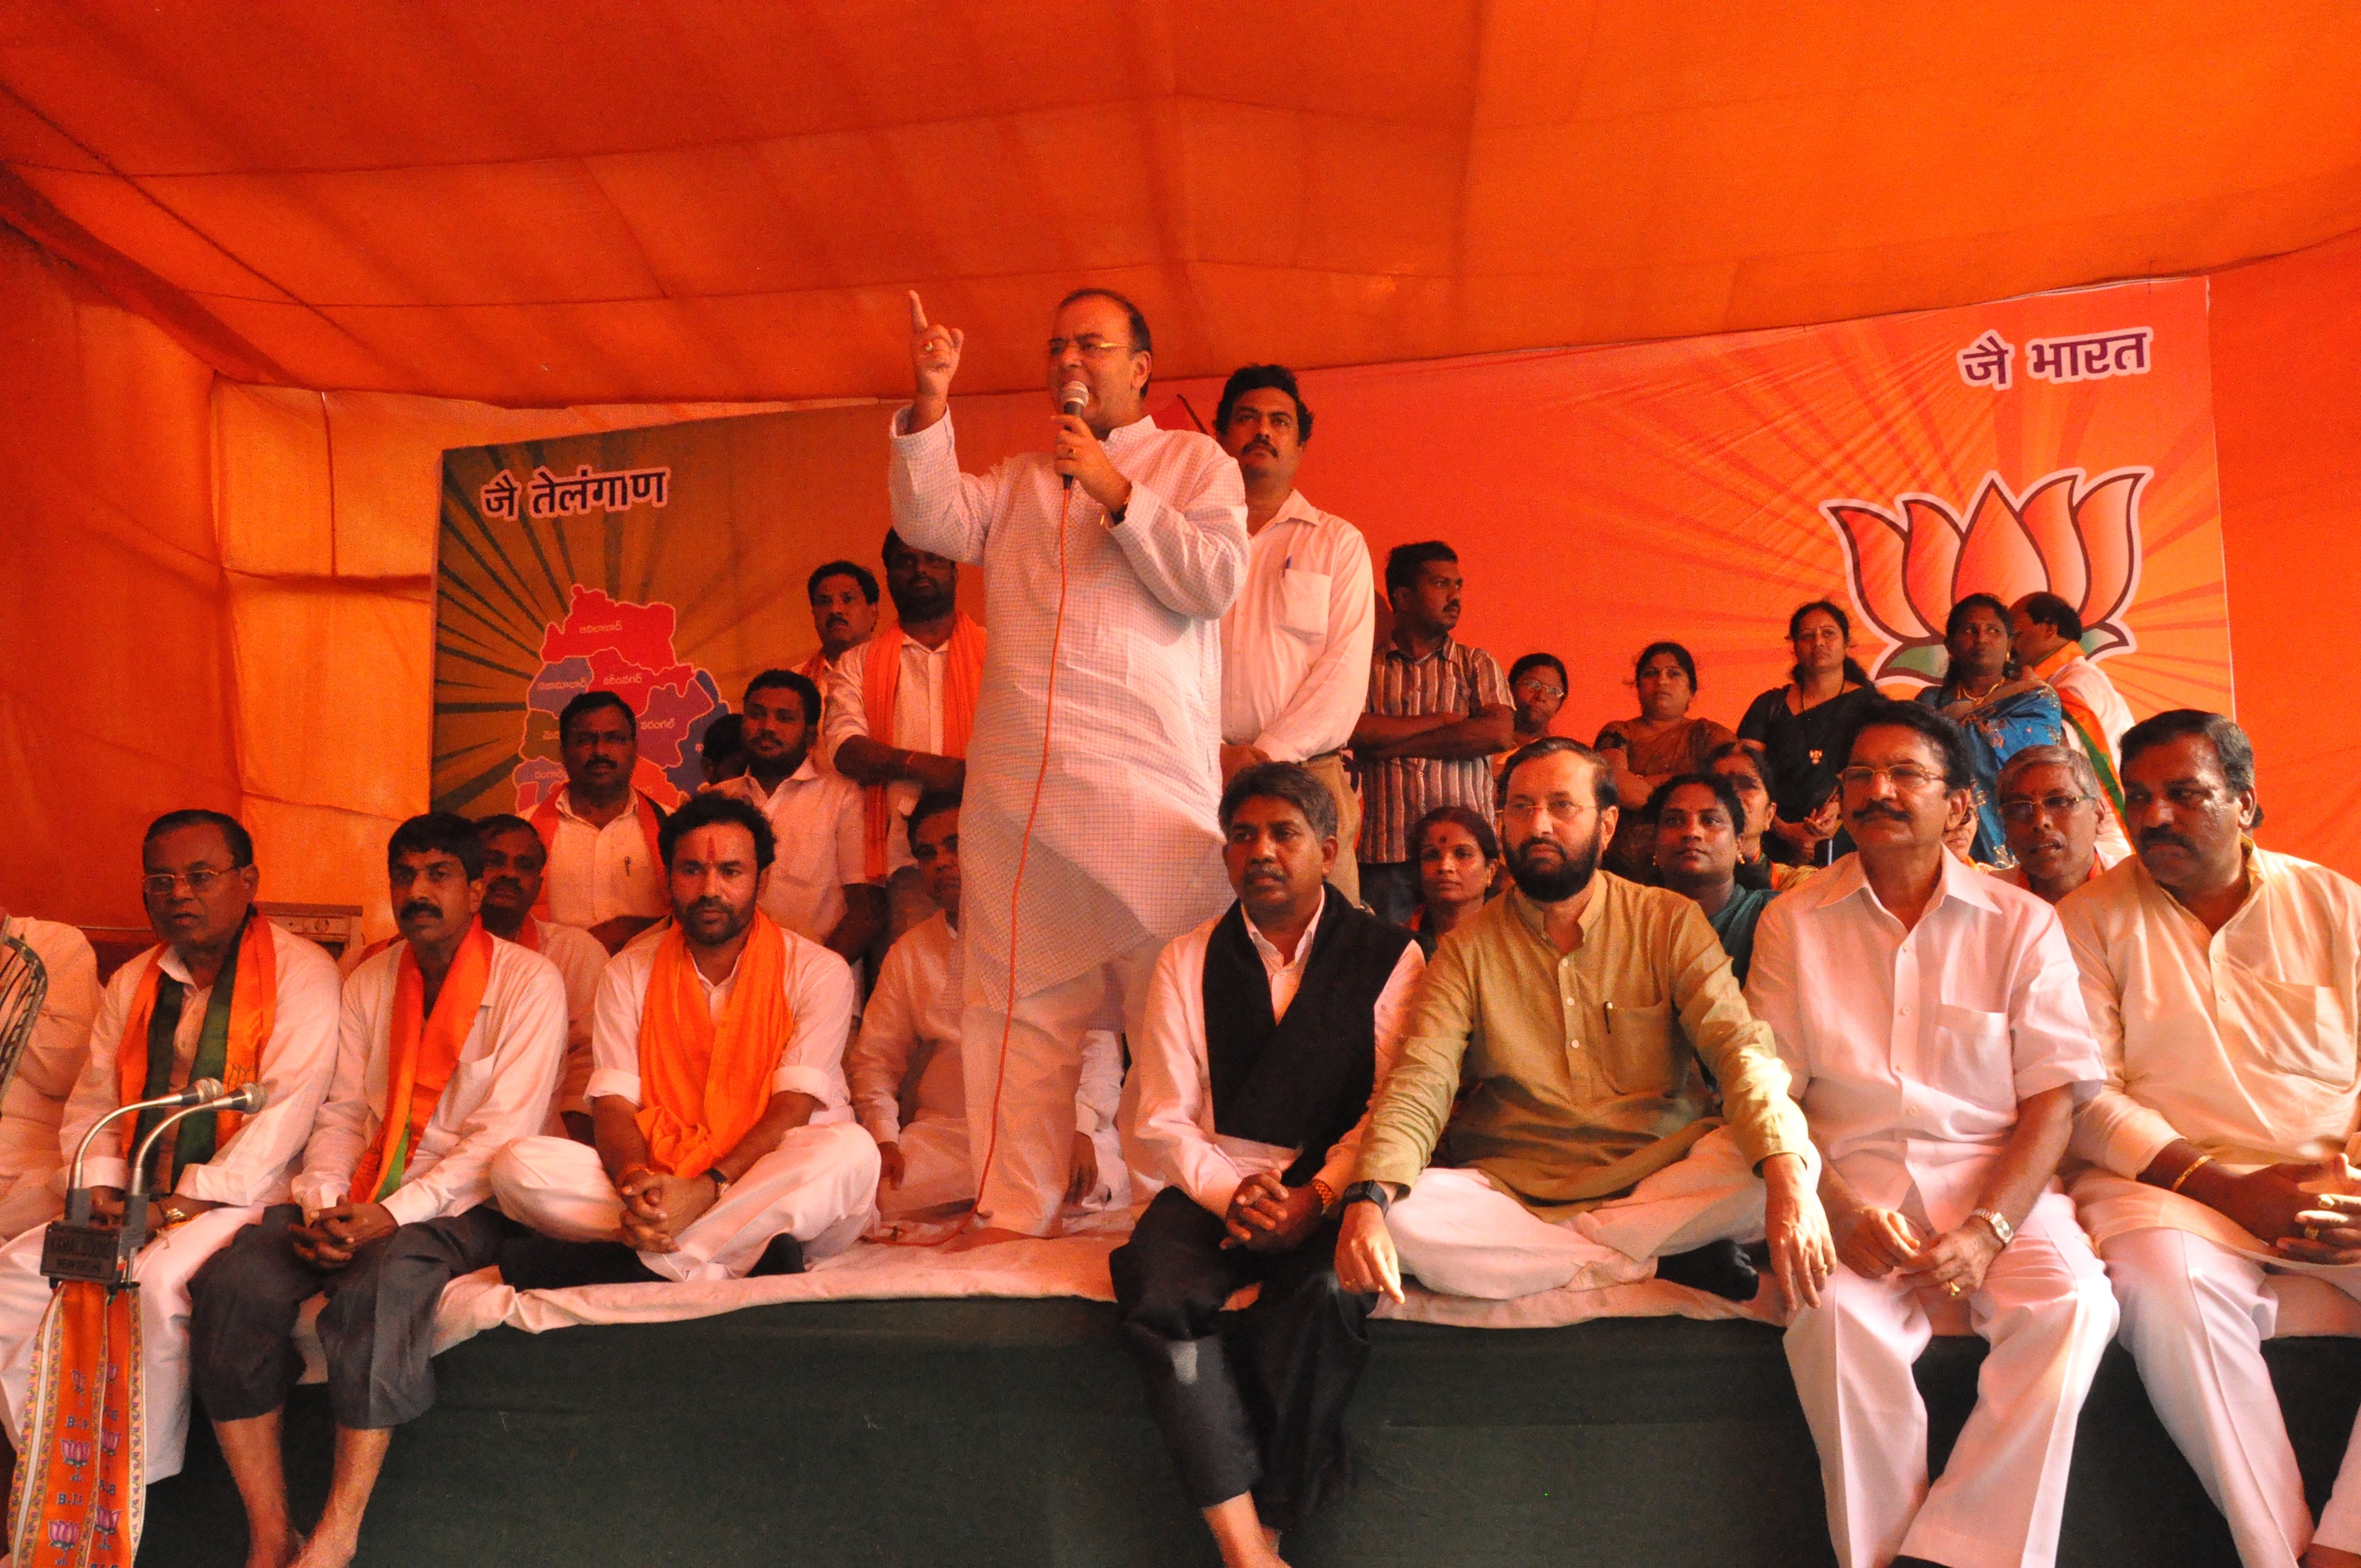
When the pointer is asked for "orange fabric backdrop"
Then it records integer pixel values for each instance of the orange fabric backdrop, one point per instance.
(538, 203)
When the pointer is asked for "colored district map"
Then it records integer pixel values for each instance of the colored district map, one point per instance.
(625, 648)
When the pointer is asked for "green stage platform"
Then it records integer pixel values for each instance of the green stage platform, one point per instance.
(940, 1434)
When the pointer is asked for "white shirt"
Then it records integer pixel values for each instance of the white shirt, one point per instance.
(1296, 645)
(818, 988)
(2087, 684)
(498, 1092)
(580, 959)
(914, 1017)
(2241, 1040)
(294, 1067)
(1910, 1051)
(1125, 846)
(598, 873)
(54, 1052)
(815, 818)
(917, 724)
(1175, 1119)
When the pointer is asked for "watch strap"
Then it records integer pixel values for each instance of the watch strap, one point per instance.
(1369, 1192)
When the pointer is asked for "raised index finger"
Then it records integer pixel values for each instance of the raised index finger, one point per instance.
(917, 313)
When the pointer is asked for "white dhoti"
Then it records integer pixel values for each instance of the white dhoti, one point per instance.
(162, 1269)
(2195, 1316)
(1020, 1100)
(818, 1186)
(938, 1172)
(1462, 1235)
(2047, 1314)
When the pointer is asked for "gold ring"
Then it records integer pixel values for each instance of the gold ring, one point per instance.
(1952, 1289)
(2312, 1233)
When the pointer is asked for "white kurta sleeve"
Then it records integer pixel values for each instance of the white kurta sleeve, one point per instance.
(844, 703)
(97, 1089)
(820, 993)
(879, 1058)
(1321, 714)
(528, 1051)
(1174, 1118)
(851, 829)
(935, 507)
(341, 1134)
(1392, 1013)
(59, 1045)
(2112, 1129)
(1771, 993)
(295, 1066)
(1189, 549)
(615, 1031)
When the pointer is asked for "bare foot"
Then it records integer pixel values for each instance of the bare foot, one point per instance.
(323, 1551)
(273, 1551)
(2320, 1556)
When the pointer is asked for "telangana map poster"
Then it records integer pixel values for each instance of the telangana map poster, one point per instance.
(666, 564)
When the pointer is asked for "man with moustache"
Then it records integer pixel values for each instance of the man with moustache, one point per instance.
(1437, 710)
(514, 860)
(603, 876)
(2224, 984)
(843, 596)
(816, 888)
(1933, 1026)
(1580, 1014)
(46, 1070)
(224, 995)
(1296, 644)
(725, 1140)
(2051, 807)
(1092, 771)
(904, 1065)
(449, 1050)
(900, 709)
(1268, 1030)
(1697, 817)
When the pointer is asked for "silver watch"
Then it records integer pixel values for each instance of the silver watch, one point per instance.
(2001, 1229)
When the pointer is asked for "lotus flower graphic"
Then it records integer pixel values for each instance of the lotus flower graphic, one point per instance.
(1907, 566)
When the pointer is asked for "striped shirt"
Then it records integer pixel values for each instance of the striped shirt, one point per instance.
(1455, 678)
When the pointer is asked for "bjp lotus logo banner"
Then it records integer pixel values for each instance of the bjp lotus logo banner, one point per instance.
(1909, 564)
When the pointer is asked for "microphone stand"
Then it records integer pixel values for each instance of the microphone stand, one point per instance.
(77, 1248)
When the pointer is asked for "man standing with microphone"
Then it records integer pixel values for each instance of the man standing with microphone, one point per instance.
(1088, 839)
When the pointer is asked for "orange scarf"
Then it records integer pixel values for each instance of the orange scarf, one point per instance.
(703, 1084)
(882, 679)
(253, 1011)
(424, 1051)
(544, 823)
(81, 1493)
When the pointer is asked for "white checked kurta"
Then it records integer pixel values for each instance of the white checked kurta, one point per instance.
(500, 1090)
(1124, 849)
(248, 1170)
(1296, 645)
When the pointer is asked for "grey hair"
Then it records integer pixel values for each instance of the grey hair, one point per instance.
(2071, 758)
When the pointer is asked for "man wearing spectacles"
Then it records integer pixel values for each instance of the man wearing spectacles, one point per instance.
(2225, 987)
(1295, 646)
(224, 995)
(1581, 1013)
(2049, 807)
(1932, 1021)
(1109, 561)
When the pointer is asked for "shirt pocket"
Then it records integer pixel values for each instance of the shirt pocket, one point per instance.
(1303, 604)
(1973, 1059)
(807, 859)
(2293, 1025)
(1640, 1049)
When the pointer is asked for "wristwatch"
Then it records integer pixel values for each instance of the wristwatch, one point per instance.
(720, 1182)
(2001, 1229)
(1369, 1192)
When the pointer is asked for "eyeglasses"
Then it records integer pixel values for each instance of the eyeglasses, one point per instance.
(2024, 811)
(1088, 347)
(160, 884)
(1903, 775)
(1535, 688)
(1561, 806)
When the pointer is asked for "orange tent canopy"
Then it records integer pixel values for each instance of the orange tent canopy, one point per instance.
(536, 205)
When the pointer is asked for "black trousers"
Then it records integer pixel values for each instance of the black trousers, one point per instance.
(376, 1329)
(1252, 1401)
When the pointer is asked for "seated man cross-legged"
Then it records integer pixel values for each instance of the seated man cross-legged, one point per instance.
(905, 1072)
(1933, 1024)
(449, 1048)
(2225, 988)
(1580, 1014)
(725, 1142)
(1268, 1030)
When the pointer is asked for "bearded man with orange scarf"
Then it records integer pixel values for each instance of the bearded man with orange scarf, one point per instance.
(726, 1140)
(449, 1049)
(224, 994)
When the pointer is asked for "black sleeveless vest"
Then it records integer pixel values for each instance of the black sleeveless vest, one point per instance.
(1300, 1082)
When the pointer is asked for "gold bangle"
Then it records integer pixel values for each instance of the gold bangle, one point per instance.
(2189, 1170)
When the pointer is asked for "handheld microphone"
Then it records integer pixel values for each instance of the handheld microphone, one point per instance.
(1072, 399)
